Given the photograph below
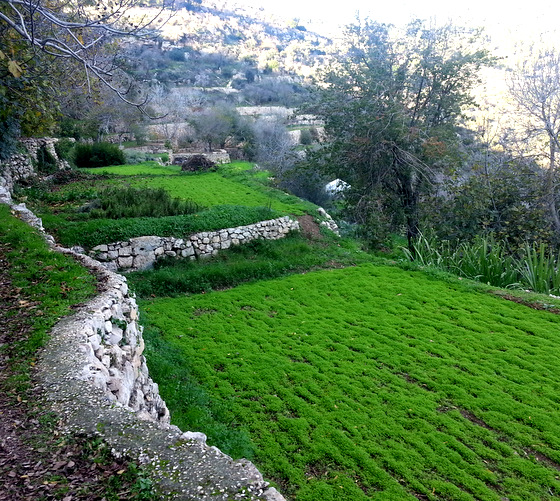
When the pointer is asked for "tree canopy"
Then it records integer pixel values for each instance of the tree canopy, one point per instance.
(47, 46)
(390, 103)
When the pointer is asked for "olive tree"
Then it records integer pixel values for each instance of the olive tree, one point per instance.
(390, 103)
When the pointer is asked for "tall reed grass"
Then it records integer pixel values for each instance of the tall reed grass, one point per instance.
(488, 260)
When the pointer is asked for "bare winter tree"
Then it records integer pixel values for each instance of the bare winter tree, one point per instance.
(535, 86)
(275, 147)
(76, 30)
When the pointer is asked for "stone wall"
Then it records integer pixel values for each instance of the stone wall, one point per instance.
(94, 376)
(218, 157)
(142, 252)
(20, 166)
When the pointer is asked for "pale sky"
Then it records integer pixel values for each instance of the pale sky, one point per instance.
(514, 16)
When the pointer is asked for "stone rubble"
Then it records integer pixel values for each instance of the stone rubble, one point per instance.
(328, 222)
(141, 253)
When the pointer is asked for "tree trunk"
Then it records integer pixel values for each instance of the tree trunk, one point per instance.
(409, 201)
(550, 190)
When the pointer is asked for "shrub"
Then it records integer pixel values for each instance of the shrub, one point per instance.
(306, 137)
(116, 203)
(98, 155)
(63, 148)
(46, 163)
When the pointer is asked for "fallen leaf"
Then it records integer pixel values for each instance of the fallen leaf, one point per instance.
(15, 69)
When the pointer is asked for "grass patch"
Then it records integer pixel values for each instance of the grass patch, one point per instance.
(237, 183)
(49, 283)
(144, 169)
(378, 383)
(256, 260)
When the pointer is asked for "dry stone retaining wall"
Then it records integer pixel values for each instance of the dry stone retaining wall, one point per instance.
(20, 166)
(218, 157)
(94, 375)
(142, 252)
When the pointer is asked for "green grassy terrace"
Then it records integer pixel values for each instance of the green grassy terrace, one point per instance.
(232, 184)
(369, 382)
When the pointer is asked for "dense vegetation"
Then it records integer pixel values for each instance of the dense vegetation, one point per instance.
(367, 382)
(370, 383)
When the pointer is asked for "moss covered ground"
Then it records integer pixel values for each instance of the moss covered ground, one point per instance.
(372, 382)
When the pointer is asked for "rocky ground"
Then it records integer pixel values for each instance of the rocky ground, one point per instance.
(36, 461)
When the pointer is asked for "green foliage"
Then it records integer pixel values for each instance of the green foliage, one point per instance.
(500, 196)
(390, 104)
(116, 203)
(539, 269)
(485, 259)
(306, 137)
(46, 164)
(102, 231)
(489, 261)
(53, 283)
(375, 382)
(98, 155)
(64, 149)
(256, 260)
(27, 99)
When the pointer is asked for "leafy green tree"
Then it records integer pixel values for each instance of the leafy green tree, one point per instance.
(390, 103)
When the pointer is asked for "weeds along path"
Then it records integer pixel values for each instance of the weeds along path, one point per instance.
(368, 383)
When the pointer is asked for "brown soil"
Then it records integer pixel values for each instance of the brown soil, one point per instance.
(36, 461)
(309, 227)
(530, 304)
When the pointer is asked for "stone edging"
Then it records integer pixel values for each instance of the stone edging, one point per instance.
(95, 377)
(142, 252)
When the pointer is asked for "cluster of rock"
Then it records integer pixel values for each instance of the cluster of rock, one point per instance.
(141, 253)
(20, 165)
(112, 342)
(217, 157)
(328, 221)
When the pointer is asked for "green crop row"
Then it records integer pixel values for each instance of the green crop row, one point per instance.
(376, 383)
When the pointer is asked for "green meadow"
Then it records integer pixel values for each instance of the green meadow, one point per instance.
(368, 382)
(232, 184)
(145, 168)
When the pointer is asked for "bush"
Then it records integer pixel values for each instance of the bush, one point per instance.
(63, 148)
(306, 137)
(116, 203)
(98, 155)
(46, 163)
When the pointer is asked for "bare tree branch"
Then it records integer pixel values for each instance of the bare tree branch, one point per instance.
(75, 31)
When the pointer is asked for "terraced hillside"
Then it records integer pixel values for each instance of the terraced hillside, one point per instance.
(341, 375)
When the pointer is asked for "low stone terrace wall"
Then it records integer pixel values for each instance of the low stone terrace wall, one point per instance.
(142, 252)
(94, 376)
